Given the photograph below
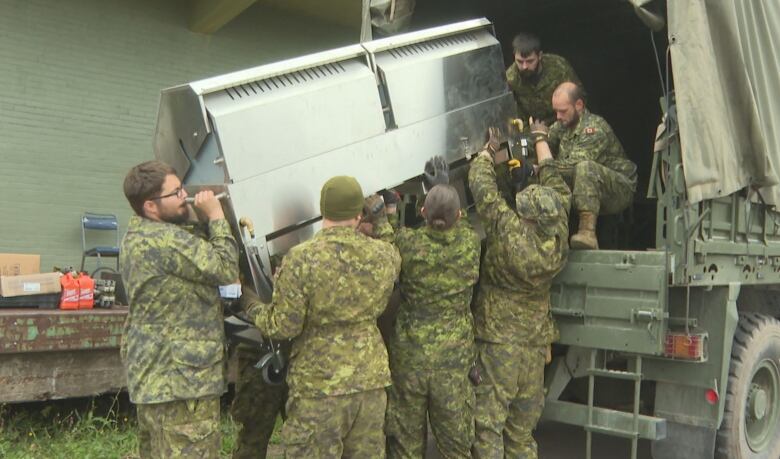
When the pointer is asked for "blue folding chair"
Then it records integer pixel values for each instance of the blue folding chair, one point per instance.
(93, 224)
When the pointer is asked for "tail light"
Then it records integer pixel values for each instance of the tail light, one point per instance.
(686, 346)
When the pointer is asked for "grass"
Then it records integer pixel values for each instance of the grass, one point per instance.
(100, 428)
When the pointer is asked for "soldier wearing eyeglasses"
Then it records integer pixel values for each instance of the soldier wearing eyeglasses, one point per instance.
(173, 345)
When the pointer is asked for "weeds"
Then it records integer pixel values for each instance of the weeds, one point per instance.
(54, 431)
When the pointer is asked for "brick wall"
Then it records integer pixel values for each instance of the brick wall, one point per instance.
(79, 86)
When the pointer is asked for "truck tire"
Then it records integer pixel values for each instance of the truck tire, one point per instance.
(751, 421)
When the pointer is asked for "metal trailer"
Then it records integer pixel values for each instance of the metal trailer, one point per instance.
(692, 319)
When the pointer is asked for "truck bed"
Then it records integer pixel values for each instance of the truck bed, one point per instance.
(50, 354)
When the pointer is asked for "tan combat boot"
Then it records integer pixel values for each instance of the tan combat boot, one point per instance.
(585, 239)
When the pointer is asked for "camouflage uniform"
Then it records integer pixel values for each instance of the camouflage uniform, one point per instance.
(174, 345)
(593, 162)
(534, 95)
(256, 405)
(329, 293)
(432, 346)
(512, 318)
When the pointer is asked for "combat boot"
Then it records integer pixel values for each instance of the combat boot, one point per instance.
(585, 239)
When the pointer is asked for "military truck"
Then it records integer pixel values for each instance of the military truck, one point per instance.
(688, 323)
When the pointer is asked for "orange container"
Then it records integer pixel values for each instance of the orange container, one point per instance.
(86, 291)
(70, 292)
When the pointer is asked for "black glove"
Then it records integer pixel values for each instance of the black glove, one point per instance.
(520, 172)
(391, 197)
(437, 172)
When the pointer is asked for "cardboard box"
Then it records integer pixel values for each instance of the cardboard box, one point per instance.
(30, 284)
(16, 264)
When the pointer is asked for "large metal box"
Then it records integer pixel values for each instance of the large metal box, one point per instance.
(272, 135)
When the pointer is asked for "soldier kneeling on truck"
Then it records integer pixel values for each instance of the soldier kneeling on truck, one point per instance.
(591, 159)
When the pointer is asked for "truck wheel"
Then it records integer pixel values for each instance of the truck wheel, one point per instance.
(751, 421)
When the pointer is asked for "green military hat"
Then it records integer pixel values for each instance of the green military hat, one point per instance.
(341, 198)
(541, 204)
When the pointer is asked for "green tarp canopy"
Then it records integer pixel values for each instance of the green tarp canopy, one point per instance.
(726, 66)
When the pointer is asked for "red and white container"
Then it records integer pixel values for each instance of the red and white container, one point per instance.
(70, 292)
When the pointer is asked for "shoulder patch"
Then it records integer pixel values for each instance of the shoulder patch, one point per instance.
(589, 130)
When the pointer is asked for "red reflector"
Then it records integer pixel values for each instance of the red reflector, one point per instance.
(712, 396)
(685, 346)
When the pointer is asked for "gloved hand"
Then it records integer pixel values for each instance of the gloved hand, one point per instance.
(520, 172)
(493, 144)
(436, 172)
(249, 301)
(391, 198)
(539, 130)
(374, 208)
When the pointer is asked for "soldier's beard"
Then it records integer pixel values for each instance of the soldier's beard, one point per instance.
(573, 121)
(178, 218)
(528, 74)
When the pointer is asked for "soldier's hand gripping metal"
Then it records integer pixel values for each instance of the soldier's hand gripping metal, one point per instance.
(374, 212)
(391, 199)
(436, 172)
(492, 145)
(539, 130)
(376, 207)
(272, 364)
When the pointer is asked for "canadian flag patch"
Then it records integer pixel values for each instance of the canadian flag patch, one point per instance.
(589, 130)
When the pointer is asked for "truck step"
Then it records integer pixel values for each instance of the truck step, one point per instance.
(615, 374)
(610, 431)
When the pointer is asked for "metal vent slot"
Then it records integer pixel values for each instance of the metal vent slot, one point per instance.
(282, 81)
(439, 43)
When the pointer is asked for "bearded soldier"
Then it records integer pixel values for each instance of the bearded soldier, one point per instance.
(174, 345)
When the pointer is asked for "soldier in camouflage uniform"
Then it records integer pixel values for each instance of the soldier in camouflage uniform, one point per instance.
(432, 346)
(591, 159)
(534, 76)
(255, 406)
(174, 345)
(328, 295)
(525, 250)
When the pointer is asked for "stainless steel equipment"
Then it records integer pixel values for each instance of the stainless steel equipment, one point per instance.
(270, 136)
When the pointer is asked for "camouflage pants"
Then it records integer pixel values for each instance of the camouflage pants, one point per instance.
(446, 397)
(345, 426)
(256, 406)
(599, 189)
(509, 400)
(184, 428)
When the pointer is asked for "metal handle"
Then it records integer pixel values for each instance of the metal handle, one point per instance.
(190, 200)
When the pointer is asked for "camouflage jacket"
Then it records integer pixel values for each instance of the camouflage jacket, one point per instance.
(534, 95)
(329, 292)
(174, 344)
(592, 139)
(520, 261)
(434, 325)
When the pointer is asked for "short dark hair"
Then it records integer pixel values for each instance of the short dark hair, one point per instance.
(526, 44)
(442, 207)
(144, 181)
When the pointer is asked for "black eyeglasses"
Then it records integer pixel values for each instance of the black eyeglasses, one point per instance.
(178, 192)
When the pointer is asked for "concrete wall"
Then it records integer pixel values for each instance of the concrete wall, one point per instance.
(79, 87)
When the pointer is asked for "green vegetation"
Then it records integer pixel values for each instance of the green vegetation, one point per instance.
(101, 428)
